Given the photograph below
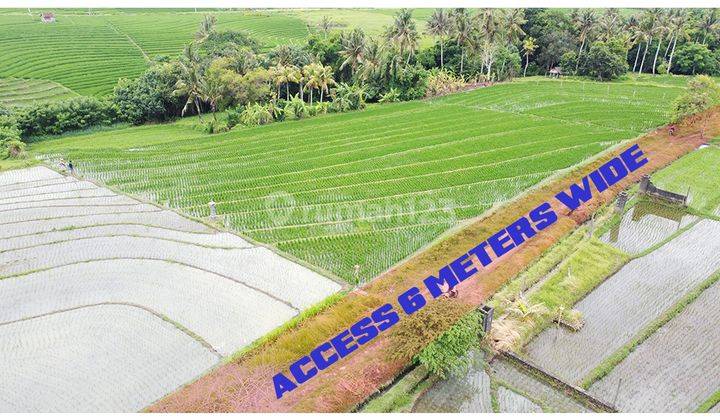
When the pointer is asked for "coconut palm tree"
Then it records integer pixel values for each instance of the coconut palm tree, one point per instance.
(190, 79)
(678, 29)
(207, 27)
(312, 78)
(609, 24)
(372, 60)
(661, 29)
(648, 23)
(403, 34)
(462, 28)
(353, 49)
(636, 33)
(584, 23)
(325, 79)
(285, 75)
(709, 24)
(212, 90)
(529, 47)
(514, 20)
(439, 25)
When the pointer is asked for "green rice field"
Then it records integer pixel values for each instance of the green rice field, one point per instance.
(88, 53)
(355, 193)
(21, 92)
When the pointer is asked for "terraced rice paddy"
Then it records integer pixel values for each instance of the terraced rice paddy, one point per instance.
(89, 53)
(369, 188)
(467, 394)
(681, 361)
(83, 269)
(21, 92)
(628, 301)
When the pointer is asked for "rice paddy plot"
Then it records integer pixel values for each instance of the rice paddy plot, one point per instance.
(674, 370)
(697, 174)
(512, 402)
(366, 188)
(469, 393)
(554, 399)
(22, 92)
(55, 363)
(628, 301)
(83, 268)
(645, 225)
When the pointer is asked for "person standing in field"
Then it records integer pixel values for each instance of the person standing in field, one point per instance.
(62, 165)
(71, 167)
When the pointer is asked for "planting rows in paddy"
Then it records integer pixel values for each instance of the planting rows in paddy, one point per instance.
(89, 53)
(681, 361)
(20, 92)
(369, 188)
(77, 259)
(628, 301)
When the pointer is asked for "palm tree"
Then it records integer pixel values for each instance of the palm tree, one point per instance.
(440, 25)
(609, 23)
(283, 55)
(353, 49)
(636, 33)
(529, 47)
(190, 79)
(312, 79)
(661, 29)
(207, 27)
(584, 23)
(403, 34)
(462, 27)
(285, 75)
(372, 60)
(678, 29)
(325, 79)
(514, 19)
(487, 37)
(709, 23)
(648, 27)
(212, 91)
(325, 25)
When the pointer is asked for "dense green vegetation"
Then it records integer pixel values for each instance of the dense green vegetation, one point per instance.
(371, 187)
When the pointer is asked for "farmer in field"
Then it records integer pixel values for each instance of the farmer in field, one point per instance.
(71, 167)
(672, 129)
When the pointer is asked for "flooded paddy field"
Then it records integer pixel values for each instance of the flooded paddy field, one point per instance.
(628, 301)
(645, 225)
(517, 392)
(676, 369)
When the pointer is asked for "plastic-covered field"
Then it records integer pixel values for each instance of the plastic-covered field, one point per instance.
(628, 301)
(122, 301)
(681, 361)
